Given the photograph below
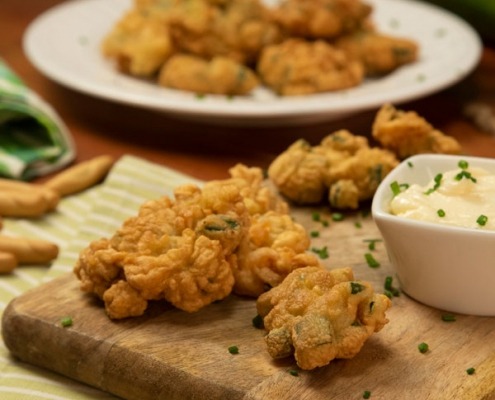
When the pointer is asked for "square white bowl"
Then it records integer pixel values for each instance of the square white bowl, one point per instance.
(443, 266)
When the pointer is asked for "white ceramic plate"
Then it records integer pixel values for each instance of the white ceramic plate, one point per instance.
(64, 44)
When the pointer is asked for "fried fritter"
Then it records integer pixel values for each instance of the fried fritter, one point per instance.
(319, 315)
(221, 75)
(190, 249)
(342, 168)
(298, 67)
(180, 254)
(237, 29)
(274, 246)
(406, 133)
(380, 54)
(321, 19)
(140, 42)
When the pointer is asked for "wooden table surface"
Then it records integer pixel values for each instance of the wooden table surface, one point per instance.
(207, 151)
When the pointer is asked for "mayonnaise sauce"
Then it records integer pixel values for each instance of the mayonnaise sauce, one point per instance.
(461, 202)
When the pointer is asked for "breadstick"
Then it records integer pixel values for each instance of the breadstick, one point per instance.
(81, 176)
(19, 203)
(8, 262)
(29, 251)
(51, 197)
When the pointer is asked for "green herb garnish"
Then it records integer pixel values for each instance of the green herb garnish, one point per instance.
(366, 394)
(371, 260)
(470, 371)
(66, 322)
(448, 317)
(337, 217)
(322, 253)
(356, 287)
(258, 322)
(314, 234)
(390, 290)
(315, 216)
(293, 372)
(423, 347)
(395, 188)
(234, 350)
(438, 180)
(482, 220)
(441, 213)
(372, 243)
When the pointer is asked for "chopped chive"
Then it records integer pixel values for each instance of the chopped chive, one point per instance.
(258, 322)
(482, 220)
(371, 260)
(234, 350)
(358, 224)
(423, 347)
(366, 394)
(410, 164)
(390, 290)
(314, 234)
(463, 164)
(448, 317)
(356, 287)
(322, 253)
(337, 217)
(470, 371)
(293, 372)
(325, 223)
(200, 96)
(436, 185)
(395, 188)
(315, 216)
(66, 322)
(441, 213)
(465, 174)
(372, 243)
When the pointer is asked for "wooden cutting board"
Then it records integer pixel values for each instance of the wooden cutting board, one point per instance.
(169, 354)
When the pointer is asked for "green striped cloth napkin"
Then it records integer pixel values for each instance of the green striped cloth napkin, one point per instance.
(33, 139)
(79, 219)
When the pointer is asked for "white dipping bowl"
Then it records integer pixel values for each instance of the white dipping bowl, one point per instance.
(446, 267)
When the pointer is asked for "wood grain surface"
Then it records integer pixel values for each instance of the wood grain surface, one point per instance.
(169, 354)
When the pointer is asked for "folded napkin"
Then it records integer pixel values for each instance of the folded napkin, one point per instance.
(33, 139)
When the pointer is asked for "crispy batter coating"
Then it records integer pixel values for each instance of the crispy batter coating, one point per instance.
(189, 250)
(319, 315)
(274, 246)
(356, 178)
(379, 53)
(298, 67)
(406, 133)
(221, 75)
(237, 29)
(140, 42)
(342, 168)
(321, 19)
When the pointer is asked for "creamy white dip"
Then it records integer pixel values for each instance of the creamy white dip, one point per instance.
(458, 202)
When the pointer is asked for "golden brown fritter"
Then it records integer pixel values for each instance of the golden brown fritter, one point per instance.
(406, 133)
(319, 315)
(357, 177)
(342, 168)
(298, 67)
(189, 250)
(168, 251)
(274, 246)
(380, 54)
(321, 19)
(140, 42)
(237, 29)
(220, 75)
